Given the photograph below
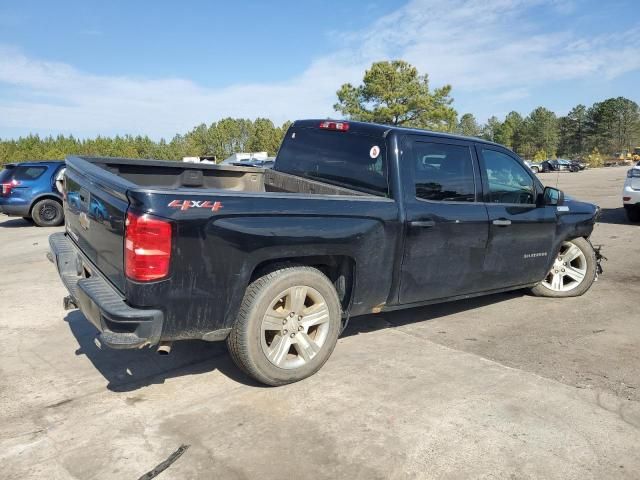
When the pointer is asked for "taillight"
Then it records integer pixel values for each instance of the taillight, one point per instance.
(339, 126)
(7, 187)
(147, 247)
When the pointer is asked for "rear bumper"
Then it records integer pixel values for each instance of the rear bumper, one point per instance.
(120, 325)
(630, 197)
(15, 210)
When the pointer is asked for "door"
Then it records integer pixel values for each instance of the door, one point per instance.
(446, 225)
(521, 233)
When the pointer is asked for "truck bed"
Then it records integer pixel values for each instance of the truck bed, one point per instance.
(225, 222)
(162, 174)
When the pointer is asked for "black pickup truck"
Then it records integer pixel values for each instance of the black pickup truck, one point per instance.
(353, 218)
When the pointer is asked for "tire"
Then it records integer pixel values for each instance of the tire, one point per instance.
(535, 169)
(275, 349)
(633, 214)
(583, 265)
(47, 213)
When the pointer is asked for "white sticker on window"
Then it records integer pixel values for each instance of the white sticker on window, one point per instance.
(374, 152)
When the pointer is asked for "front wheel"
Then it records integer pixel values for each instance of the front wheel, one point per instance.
(287, 326)
(573, 271)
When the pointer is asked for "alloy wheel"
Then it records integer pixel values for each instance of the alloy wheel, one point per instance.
(569, 269)
(294, 327)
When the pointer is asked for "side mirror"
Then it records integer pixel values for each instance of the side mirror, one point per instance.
(552, 196)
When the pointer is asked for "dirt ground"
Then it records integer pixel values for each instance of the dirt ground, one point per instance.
(505, 386)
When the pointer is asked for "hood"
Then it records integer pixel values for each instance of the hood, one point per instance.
(577, 206)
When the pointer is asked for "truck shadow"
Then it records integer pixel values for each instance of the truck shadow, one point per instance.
(615, 216)
(399, 318)
(129, 370)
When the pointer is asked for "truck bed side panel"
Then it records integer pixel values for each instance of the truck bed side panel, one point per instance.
(216, 252)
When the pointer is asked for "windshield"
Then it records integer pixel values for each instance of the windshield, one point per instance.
(346, 159)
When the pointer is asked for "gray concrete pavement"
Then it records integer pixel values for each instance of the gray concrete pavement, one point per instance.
(507, 386)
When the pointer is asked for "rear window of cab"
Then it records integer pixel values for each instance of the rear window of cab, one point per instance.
(345, 159)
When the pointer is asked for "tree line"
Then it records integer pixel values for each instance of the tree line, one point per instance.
(395, 93)
(220, 139)
(610, 128)
(392, 92)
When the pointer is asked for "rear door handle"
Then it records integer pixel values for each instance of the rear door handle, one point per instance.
(502, 222)
(422, 223)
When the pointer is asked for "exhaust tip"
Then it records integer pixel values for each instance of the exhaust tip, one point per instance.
(164, 348)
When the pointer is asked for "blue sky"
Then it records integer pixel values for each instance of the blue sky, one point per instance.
(159, 68)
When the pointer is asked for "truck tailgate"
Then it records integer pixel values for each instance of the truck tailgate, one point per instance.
(95, 211)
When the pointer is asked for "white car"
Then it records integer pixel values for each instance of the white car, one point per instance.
(533, 166)
(631, 194)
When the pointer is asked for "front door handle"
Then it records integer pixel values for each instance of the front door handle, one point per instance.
(422, 223)
(502, 222)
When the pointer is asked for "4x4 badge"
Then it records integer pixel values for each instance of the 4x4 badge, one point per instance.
(187, 204)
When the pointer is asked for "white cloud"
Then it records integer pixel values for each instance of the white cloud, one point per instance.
(490, 48)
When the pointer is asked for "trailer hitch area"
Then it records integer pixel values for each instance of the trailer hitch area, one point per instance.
(599, 258)
(69, 303)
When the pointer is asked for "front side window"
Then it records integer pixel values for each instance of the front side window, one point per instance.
(507, 178)
(443, 172)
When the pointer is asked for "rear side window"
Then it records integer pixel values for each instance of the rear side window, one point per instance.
(342, 158)
(23, 173)
(443, 172)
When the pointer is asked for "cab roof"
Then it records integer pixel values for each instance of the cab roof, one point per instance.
(377, 129)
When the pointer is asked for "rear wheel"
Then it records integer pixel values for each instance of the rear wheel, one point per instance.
(47, 213)
(287, 326)
(573, 271)
(633, 213)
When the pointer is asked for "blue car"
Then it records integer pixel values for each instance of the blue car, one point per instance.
(29, 190)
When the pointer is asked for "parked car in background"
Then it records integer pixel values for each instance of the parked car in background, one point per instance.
(581, 165)
(631, 194)
(258, 160)
(29, 191)
(559, 165)
(535, 167)
(253, 163)
(574, 165)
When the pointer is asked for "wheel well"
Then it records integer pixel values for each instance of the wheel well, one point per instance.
(44, 197)
(339, 269)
